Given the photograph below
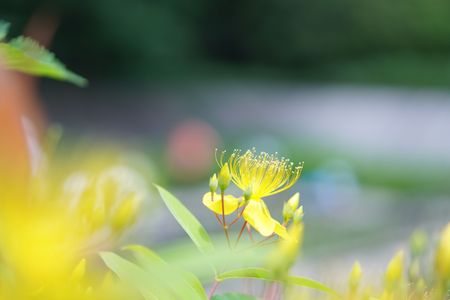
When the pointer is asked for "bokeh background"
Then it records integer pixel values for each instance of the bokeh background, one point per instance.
(356, 89)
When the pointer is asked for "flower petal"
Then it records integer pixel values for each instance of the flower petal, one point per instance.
(258, 216)
(281, 231)
(230, 203)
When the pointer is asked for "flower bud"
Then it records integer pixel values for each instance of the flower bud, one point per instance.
(298, 215)
(79, 271)
(355, 276)
(294, 201)
(126, 212)
(418, 242)
(290, 206)
(442, 260)
(213, 183)
(224, 177)
(288, 212)
(394, 271)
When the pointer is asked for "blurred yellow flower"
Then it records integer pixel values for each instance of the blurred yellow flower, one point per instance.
(50, 222)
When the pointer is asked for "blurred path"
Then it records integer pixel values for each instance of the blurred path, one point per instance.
(371, 120)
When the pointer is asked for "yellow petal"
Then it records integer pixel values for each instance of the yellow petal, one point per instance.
(281, 230)
(230, 203)
(258, 216)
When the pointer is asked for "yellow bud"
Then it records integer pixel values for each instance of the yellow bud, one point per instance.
(394, 271)
(79, 271)
(355, 276)
(290, 206)
(298, 215)
(213, 183)
(442, 259)
(288, 212)
(294, 201)
(224, 177)
(125, 215)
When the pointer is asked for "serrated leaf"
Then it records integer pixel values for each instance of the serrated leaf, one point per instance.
(234, 296)
(27, 56)
(181, 283)
(187, 221)
(4, 29)
(264, 274)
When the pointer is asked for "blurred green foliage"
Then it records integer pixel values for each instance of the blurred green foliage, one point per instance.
(144, 38)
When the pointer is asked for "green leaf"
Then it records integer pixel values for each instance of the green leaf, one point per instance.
(4, 29)
(306, 282)
(181, 283)
(25, 55)
(264, 274)
(134, 276)
(257, 273)
(188, 221)
(234, 296)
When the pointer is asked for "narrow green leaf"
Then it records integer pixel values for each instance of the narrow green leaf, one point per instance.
(188, 221)
(234, 296)
(306, 282)
(264, 274)
(182, 283)
(27, 56)
(257, 273)
(135, 276)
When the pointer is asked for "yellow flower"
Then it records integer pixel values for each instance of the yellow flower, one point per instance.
(262, 174)
(258, 176)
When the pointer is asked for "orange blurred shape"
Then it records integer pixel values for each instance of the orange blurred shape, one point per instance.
(191, 147)
(17, 104)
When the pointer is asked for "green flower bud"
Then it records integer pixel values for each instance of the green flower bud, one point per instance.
(213, 183)
(224, 177)
(298, 215)
(288, 212)
(418, 242)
